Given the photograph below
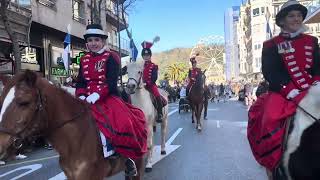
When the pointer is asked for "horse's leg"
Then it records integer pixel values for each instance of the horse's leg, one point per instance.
(150, 145)
(192, 112)
(198, 115)
(140, 163)
(164, 128)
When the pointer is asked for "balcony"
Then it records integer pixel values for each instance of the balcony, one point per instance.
(124, 43)
(19, 16)
(112, 15)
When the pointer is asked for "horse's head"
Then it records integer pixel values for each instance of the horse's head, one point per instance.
(201, 79)
(135, 72)
(21, 100)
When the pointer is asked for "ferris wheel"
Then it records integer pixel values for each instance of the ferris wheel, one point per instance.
(211, 52)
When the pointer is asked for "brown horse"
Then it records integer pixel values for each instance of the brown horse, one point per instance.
(196, 97)
(31, 105)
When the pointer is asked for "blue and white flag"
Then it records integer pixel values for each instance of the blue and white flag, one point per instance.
(67, 49)
(268, 30)
(134, 51)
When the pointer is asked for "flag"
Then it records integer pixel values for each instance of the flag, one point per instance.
(134, 50)
(67, 49)
(268, 29)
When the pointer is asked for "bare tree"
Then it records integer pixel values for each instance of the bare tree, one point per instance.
(12, 35)
(127, 6)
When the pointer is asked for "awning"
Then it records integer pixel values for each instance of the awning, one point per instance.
(314, 17)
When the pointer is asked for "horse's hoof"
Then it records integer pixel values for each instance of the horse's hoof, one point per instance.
(154, 128)
(163, 152)
(192, 121)
(147, 170)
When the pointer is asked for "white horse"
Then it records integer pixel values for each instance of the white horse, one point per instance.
(301, 158)
(141, 98)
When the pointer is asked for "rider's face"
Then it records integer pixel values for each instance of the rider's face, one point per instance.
(194, 65)
(95, 44)
(293, 21)
(146, 57)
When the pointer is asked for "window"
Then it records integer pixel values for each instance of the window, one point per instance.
(78, 11)
(48, 3)
(262, 10)
(255, 12)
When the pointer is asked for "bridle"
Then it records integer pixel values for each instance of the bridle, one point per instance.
(17, 137)
(138, 82)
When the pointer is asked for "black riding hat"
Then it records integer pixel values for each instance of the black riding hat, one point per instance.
(290, 6)
(94, 30)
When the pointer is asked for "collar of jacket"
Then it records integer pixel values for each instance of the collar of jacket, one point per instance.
(286, 34)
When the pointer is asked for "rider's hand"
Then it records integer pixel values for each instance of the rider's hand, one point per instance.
(93, 98)
(293, 93)
(82, 97)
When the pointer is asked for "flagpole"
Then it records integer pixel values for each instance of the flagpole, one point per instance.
(119, 45)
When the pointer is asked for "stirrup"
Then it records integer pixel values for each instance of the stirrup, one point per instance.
(133, 168)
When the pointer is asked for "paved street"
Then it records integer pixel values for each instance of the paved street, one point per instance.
(219, 152)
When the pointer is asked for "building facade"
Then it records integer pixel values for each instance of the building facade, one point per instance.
(231, 19)
(259, 25)
(45, 28)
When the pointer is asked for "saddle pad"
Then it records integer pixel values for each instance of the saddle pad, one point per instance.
(108, 150)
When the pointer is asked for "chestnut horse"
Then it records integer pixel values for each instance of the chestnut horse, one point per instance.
(196, 97)
(31, 105)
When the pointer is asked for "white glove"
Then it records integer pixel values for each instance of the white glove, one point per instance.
(82, 97)
(93, 98)
(293, 93)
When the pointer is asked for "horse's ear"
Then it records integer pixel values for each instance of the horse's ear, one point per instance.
(5, 79)
(30, 78)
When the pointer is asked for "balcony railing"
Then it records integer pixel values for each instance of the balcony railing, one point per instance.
(114, 44)
(112, 8)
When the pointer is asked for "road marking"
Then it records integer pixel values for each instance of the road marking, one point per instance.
(172, 112)
(169, 149)
(214, 109)
(218, 124)
(171, 139)
(30, 168)
(35, 160)
(60, 176)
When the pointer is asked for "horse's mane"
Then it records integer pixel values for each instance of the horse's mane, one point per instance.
(136, 64)
(33, 79)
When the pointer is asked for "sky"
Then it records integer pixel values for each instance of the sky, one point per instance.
(179, 23)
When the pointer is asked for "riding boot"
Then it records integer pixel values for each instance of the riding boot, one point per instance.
(131, 168)
(159, 109)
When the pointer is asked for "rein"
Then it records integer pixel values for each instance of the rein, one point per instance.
(137, 82)
(309, 114)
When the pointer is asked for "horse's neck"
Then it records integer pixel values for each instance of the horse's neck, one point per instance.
(77, 127)
(141, 97)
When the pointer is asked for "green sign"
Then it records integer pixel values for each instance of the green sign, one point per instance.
(57, 71)
(79, 56)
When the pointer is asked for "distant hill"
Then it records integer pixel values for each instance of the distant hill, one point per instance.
(167, 58)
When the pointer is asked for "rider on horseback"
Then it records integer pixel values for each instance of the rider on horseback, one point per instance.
(290, 64)
(193, 73)
(97, 84)
(150, 76)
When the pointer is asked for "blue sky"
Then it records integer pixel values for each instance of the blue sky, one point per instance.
(179, 23)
